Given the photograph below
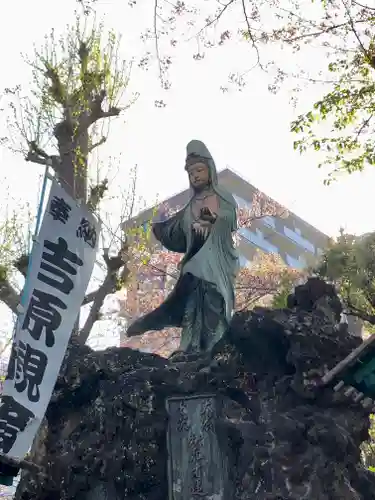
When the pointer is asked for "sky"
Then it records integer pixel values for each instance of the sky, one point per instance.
(247, 131)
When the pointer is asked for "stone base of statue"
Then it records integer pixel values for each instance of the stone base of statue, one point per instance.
(197, 461)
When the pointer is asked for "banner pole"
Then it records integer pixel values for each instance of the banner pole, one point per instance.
(36, 231)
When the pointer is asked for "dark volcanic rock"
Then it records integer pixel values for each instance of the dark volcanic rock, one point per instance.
(290, 439)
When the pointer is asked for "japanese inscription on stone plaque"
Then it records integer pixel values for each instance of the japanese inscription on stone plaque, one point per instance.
(196, 463)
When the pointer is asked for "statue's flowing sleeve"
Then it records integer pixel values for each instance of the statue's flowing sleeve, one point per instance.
(233, 219)
(171, 233)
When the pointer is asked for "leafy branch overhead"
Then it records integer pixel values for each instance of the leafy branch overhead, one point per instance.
(337, 34)
(340, 125)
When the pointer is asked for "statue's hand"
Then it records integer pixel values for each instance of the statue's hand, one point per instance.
(207, 215)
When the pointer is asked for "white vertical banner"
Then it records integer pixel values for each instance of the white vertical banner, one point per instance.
(62, 261)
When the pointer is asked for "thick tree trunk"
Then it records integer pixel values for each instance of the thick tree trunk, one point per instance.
(73, 151)
(73, 144)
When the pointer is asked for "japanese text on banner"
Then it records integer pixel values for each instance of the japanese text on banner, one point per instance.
(62, 262)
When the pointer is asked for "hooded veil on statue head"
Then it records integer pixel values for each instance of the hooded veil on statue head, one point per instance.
(197, 151)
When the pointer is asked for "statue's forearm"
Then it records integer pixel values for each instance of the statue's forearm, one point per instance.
(157, 231)
(172, 240)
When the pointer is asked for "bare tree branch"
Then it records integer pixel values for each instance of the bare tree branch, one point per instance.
(216, 18)
(39, 156)
(114, 264)
(89, 297)
(106, 287)
(96, 194)
(351, 22)
(34, 158)
(363, 6)
(322, 31)
(251, 35)
(370, 318)
(157, 40)
(97, 114)
(358, 313)
(97, 144)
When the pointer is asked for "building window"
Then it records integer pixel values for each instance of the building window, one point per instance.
(299, 240)
(299, 263)
(244, 262)
(269, 221)
(257, 239)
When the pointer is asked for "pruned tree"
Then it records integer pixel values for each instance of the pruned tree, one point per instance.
(78, 82)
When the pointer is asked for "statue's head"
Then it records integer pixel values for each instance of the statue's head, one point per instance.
(200, 166)
(201, 169)
(198, 172)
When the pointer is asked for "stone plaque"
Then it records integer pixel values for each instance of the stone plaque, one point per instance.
(196, 463)
(102, 491)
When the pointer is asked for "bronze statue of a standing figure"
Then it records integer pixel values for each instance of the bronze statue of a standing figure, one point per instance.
(202, 300)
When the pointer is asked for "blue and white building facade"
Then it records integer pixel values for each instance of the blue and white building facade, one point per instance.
(296, 241)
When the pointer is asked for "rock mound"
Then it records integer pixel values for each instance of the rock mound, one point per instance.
(289, 438)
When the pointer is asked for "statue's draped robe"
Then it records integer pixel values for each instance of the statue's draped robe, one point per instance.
(202, 300)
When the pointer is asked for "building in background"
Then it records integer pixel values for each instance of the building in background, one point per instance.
(297, 242)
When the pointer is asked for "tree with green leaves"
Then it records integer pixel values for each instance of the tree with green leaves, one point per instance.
(341, 123)
(349, 263)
